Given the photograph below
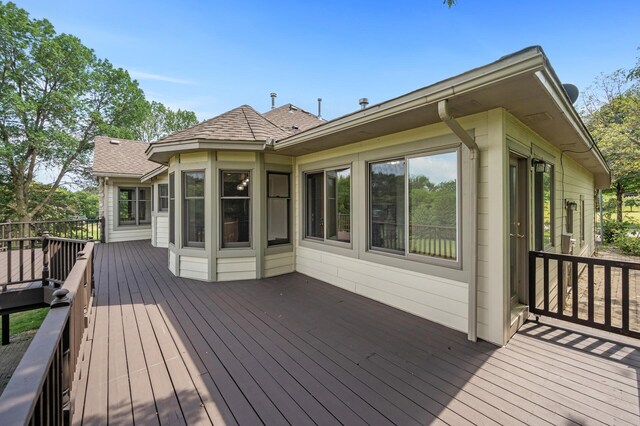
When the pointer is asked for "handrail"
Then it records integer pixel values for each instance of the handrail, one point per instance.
(551, 300)
(39, 390)
(67, 228)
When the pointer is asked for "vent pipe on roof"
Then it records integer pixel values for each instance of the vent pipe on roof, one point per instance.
(363, 103)
(319, 107)
(273, 100)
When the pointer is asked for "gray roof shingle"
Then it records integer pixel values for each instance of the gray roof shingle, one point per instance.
(121, 157)
(240, 124)
(293, 119)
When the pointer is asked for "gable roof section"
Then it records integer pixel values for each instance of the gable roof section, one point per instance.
(240, 124)
(293, 119)
(120, 158)
(241, 129)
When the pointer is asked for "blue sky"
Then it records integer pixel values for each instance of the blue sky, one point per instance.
(211, 56)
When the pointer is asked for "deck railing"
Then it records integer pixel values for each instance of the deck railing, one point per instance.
(39, 391)
(429, 240)
(79, 229)
(588, 291)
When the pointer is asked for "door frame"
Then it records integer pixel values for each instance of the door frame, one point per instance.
(522, 205)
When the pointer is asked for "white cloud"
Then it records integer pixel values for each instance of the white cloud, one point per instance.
(140, 75)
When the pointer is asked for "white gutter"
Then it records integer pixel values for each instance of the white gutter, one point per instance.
(474, 156)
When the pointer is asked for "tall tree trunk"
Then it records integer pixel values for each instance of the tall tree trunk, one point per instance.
(619, 192)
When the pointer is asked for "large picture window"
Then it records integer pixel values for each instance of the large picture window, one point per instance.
(413, 205)
(235, 203)
(172, 208)
(543, 207)
(193, 218)
(163, 197)
(134, 206)
(278, 208)
(328, 205)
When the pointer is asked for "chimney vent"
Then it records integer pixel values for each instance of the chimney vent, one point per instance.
(363, 103)
(273, 100)
(319, 107)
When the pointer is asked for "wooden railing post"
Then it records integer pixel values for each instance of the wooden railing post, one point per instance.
(103, 237)
(45, 259)
(5, 329)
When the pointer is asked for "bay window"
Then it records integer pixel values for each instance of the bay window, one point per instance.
(193, 208)
(328, 205)
(134, 206)
(235, 204)
(413, 205)
(278, 208)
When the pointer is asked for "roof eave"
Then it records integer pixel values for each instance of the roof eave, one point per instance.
(117, 175)
(153, 173)
(471, 80)
(160, 153)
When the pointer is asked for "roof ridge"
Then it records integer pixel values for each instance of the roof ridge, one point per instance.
(248, 123)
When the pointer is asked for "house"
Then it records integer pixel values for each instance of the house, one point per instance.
(429, 202)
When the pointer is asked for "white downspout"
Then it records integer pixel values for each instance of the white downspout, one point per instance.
(474, 156)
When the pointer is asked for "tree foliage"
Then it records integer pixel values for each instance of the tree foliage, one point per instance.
(612, 114)
(55, 97)
(162, 121)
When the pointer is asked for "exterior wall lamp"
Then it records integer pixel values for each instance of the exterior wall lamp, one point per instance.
(540, 166)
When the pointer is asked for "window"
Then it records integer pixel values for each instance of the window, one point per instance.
(413, 205)
(235, 203)
(193, 195)
(543, 207)
(172, 208)
(163, 197)
(278, 208)
(134, 206)
(328, 205)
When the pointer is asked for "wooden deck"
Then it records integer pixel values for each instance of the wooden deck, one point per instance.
(295, 350)
(31, 265)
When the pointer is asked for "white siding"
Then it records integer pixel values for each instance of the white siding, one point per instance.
(241, 268)
(278, 264)
(437, 299)
(162, 231)
(172, 262)
(194, 267)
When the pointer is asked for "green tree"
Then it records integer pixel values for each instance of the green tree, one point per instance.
(631, 203)
(612, 114)
(161, 121)
(55, 96)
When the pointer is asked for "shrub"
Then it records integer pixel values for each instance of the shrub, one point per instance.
(614, 230)
(629, 244)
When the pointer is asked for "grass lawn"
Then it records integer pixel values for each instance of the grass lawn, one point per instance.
(29, 320)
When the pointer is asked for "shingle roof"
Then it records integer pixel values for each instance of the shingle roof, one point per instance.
(240, 124)
(113, 156)
(292, 118)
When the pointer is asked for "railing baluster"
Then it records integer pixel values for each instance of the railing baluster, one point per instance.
(574, 288)
(590, 293)
(545, 284)
(607, 295)
(21, 260)
(625, 298)
(560, 288)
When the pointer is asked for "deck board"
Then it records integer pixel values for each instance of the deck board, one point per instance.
(294, 350)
